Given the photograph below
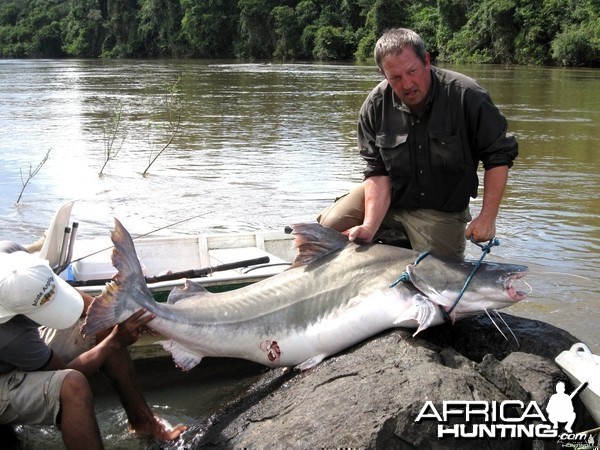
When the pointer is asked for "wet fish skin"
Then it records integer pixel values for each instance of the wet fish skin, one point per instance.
(336, 294)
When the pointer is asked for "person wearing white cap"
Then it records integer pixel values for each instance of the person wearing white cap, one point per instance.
(30, 288)
(42, 380)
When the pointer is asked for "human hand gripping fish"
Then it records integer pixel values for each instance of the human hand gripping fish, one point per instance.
(129, 331)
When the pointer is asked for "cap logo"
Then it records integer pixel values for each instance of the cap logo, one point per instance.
(46, 294)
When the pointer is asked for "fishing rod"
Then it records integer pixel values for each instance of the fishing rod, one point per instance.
(192, 273)
(62, 267)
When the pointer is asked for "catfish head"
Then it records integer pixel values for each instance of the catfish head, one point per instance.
(491, 286)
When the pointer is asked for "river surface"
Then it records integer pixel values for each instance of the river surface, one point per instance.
(261, 146)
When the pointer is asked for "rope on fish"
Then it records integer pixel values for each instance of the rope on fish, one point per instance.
(404, 277)
(485, 248)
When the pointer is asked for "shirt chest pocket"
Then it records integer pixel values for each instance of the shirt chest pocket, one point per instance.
(395, 153)
(446, 152)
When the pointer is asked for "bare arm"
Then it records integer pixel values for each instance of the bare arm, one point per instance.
(378, 195)
(121, 336)
(483, 227)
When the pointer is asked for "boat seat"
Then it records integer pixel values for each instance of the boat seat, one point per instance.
(51, 249)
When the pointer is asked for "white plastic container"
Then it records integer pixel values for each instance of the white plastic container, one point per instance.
(96, 267)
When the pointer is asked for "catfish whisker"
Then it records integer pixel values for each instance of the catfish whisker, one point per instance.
(566, 274)
(529, 287)
(495, 324)
(505, 324)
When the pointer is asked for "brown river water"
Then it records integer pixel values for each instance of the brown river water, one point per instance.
(265, 145)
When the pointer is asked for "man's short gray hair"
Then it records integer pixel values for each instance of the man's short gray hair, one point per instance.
(393, 41)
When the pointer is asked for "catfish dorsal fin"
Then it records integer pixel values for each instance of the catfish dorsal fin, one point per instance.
(190, 288)
(313, 241)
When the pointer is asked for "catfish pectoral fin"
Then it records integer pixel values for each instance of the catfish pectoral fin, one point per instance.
(310, 362)
(421, 311)
(183, 357)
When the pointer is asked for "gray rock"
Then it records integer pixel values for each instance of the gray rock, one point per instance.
(370, 395)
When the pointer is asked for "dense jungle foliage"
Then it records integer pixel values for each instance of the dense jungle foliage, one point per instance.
(538, 32)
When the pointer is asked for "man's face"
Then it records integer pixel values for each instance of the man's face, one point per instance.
(409, 77)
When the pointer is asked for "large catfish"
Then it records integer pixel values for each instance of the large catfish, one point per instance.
(336, 294)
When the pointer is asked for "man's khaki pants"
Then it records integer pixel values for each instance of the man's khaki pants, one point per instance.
(440, 232)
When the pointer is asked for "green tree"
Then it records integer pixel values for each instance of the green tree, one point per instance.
(539, 21)
(332, 43)
(159, 31)
(578, 43)
(286, 31)
(41, 31)
(379, 16)
(121, 25)
(255, 40)
(489, 35)
(578, 46)
(329, 15)
(307, 13)
(46, 42)
(31, 29)
(452, 17)
(558, 32)
(9, 13)
(425, 20)
(351, 14)
(209, 27)
(83, 29)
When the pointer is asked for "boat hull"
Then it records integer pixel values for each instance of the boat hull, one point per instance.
(175, 254)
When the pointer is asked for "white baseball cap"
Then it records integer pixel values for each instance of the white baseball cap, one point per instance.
(28, 286)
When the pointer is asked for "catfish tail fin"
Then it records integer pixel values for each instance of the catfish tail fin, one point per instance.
(128, 291)
(103, 312)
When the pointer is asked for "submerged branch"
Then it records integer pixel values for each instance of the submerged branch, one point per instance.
(173, 107)
(110, 134)
(32, 173)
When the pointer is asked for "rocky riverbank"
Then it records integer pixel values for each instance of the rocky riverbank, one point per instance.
(370, 396)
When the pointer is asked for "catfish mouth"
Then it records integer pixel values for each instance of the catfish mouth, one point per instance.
(511, 291)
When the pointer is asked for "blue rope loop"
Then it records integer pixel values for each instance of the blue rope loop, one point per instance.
(404, 277)
(485, 248)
